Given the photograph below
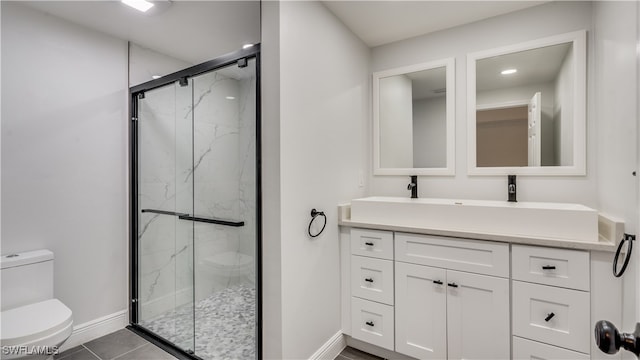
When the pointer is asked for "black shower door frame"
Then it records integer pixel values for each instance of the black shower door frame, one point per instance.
(237, 57)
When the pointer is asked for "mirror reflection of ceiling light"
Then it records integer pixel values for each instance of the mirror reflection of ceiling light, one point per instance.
(246, 46)
(231, 97)
(154, 77)
(509, 71)
(140, 5)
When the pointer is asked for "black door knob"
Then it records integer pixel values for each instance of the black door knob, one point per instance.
(609, 340)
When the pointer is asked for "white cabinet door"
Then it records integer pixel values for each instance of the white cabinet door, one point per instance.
(421, 317)
(477, 316)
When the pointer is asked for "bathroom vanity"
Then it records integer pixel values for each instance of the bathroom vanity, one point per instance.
(447, 293)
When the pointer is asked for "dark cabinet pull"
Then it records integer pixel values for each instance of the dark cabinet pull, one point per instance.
(437, 282)
(368, 280)
(549, 316)
(369, 243)
(453, 285)
(370, 323)
(548, 267)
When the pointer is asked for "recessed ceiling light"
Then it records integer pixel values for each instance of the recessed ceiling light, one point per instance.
(140, 5)
(246, 46)
(509, 71)
(231, 97)
(156, 76)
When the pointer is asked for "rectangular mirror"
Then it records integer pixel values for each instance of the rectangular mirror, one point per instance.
(527, 108)
(413, 119)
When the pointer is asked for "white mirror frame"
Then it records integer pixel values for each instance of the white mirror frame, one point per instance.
(579, 40)
(449, 65)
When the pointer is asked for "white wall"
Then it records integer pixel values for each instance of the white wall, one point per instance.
(324, 111)
(430, 132)
(64, 155)
(637, 257)
(144, 63)
(396, 122)
(616, 118)
(272, 244)
(560, 17)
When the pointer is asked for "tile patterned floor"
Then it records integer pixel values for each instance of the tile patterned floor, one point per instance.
(120, 345)
(350, 353)
(126, 345)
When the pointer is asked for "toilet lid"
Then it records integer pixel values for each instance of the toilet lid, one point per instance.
(34, 321)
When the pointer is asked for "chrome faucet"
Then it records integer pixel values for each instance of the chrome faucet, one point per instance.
(413, 186)
(511, 188)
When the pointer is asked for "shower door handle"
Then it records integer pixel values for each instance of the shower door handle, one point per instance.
(162, 212)
(183, 216)
(212, 221)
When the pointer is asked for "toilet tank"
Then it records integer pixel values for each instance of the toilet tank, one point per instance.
(26, 278)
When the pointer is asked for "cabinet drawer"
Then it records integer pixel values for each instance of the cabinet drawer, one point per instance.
(482, 257)
(524, 349)
(552, 315)
(372, 243)
(372, 322)
(557, 267)
(372, 279)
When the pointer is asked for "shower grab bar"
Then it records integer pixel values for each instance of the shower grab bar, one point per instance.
(183, 216)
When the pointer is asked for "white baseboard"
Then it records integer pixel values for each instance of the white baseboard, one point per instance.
(331, 349)
(94, 329)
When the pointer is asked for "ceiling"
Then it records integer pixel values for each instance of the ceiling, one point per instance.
(382, 22)
(188, 30)
(185, 30)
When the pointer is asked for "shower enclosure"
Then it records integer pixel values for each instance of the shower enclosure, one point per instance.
(195, 241)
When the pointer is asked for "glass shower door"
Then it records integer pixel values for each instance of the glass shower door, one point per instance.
(197, 211)
(165, 191)
(224, 125)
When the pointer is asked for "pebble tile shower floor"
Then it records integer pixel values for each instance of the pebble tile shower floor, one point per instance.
(224, 324)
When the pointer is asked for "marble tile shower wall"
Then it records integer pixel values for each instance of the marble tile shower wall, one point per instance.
(225, 172)
(210, 158)
(165, 242)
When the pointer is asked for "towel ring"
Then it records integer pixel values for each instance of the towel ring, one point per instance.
(627, 257)
(314, 214)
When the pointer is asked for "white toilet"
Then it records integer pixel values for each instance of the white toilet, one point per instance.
(34, 324)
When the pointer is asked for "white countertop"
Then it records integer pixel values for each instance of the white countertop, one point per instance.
(610, 233)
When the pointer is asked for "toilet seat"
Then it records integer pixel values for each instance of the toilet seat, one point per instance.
(47, 322)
